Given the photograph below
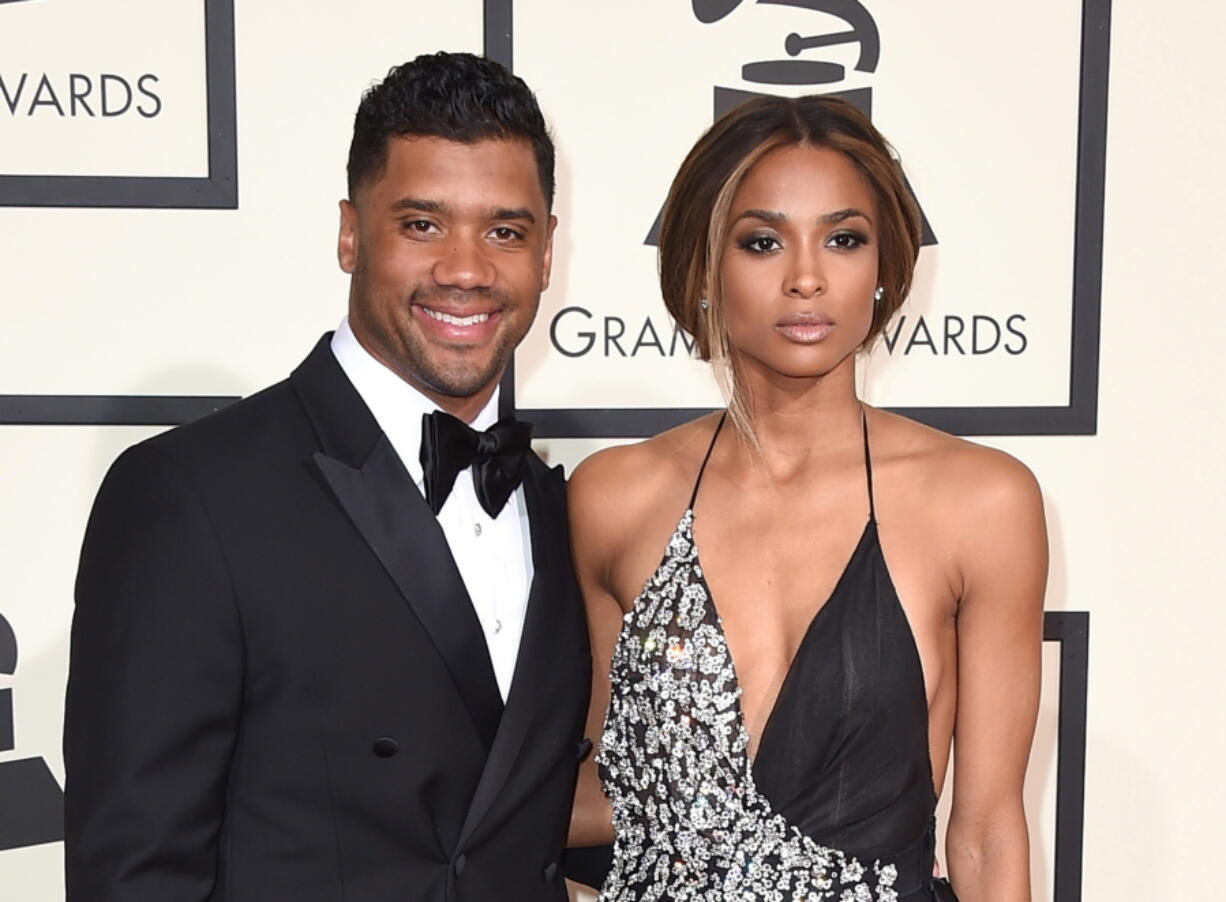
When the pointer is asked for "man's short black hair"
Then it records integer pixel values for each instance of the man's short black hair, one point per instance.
(456, 96)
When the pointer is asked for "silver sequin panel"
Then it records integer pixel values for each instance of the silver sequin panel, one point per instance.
(689, 821)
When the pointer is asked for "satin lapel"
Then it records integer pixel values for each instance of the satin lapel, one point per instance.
(546, 512)
(390, 513)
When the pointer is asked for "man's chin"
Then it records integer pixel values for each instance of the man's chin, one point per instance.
(454, 370)
(461, 384)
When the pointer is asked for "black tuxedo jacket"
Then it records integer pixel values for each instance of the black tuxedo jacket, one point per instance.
(279, 689)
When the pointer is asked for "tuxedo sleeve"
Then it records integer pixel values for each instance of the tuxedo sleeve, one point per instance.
(154, 691)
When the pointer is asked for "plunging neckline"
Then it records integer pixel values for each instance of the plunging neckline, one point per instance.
(693, 808)
(810, 630)
(685, 529)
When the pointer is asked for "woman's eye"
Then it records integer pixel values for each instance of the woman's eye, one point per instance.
(760, 244)
(847, 240)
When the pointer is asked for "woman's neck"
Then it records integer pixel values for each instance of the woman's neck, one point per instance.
(797, 421)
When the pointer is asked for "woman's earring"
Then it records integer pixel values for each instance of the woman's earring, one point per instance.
(702, 302)
(878, 295)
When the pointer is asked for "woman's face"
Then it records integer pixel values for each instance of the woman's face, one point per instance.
(800, 263)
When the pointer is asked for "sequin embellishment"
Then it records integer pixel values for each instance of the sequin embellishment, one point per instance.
(691, 825)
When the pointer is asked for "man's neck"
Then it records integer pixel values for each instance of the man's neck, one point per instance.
(467, 408)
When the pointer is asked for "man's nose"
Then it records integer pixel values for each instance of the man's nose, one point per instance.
(464, 262)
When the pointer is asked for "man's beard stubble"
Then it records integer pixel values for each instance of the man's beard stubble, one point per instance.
(411, 357)
(460, 379)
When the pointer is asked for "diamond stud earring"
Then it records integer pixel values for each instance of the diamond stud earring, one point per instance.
(878, 295)
(703, 303)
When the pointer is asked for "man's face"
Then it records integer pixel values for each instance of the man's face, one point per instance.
(449, 250)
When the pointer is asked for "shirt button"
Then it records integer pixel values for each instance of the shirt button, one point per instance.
(476, 529)
(385, 747)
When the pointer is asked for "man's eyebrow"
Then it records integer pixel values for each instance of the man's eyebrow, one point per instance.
(422, 206)
(513, 213)
(418, 205)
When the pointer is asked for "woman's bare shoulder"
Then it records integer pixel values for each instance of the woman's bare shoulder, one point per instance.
(967, 477)
(622, 484)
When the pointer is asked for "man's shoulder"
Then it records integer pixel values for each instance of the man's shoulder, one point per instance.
(235, 425)
(235, 441)
(551, 478)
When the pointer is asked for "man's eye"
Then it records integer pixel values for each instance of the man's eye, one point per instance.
(419, 225)
(506, 233)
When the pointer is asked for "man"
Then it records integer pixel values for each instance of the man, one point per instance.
(325, 646)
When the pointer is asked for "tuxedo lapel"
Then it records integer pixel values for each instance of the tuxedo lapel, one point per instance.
(388, 510)
(362, 470)
(546, 513)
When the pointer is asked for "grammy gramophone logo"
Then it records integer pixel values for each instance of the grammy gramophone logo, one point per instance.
(803, 65)
(31, 802)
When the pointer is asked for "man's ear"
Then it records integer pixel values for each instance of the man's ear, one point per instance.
(347, 238)
(547, 257)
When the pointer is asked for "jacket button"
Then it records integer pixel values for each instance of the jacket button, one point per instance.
(550, 872)
(585, 748)
(460, 864)
(385, 746)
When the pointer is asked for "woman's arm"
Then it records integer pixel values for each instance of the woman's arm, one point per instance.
(594, 515)
(1002, 553)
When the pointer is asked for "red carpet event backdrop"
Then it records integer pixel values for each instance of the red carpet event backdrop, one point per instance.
(169, 173)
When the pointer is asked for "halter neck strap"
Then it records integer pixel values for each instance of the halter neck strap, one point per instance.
(702, 469)
(868, 465)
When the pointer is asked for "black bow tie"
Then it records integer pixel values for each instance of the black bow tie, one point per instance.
(496, 456)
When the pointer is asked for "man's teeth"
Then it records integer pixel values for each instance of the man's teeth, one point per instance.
(456, 320)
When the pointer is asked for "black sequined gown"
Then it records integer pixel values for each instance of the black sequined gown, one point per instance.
(837, 804)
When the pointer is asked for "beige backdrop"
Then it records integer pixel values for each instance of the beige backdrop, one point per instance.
(222, 302)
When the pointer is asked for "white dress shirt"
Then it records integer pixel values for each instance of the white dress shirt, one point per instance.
(493, 555)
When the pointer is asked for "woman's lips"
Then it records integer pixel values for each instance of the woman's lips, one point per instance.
(804, 329)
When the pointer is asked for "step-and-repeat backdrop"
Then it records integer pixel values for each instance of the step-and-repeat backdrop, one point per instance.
(168, 182)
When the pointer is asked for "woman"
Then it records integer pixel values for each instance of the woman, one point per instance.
(779, 707)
